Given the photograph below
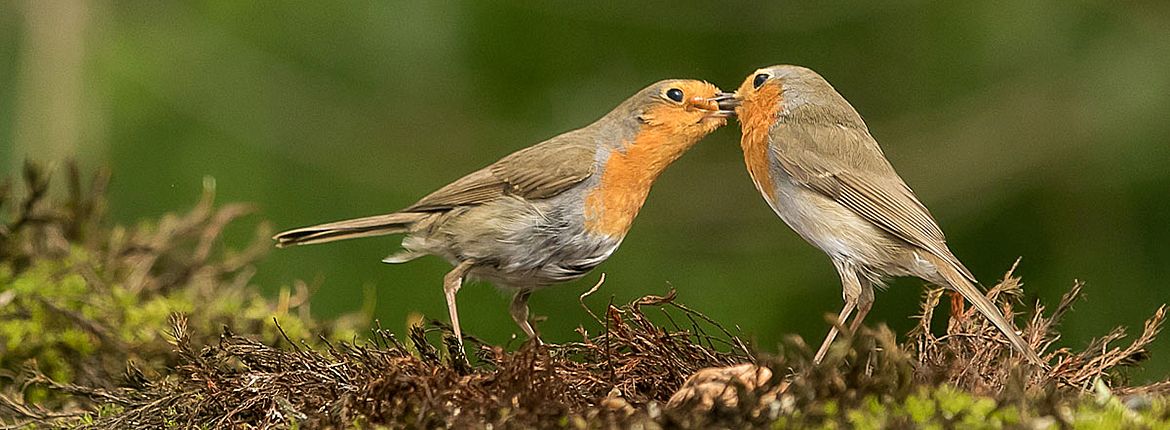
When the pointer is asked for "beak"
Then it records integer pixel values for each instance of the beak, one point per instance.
(727, 101)
(713, 106)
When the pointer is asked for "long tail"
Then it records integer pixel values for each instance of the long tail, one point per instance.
(961, 284)
(398, 222)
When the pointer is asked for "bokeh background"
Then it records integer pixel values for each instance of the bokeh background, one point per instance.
(1037, 129)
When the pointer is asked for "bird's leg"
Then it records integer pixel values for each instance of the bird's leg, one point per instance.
(851, 289)
(864, 304)
(519, 311)
(844, 315)
(451, 284)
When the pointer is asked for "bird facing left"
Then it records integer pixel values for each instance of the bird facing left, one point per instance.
(548, 213)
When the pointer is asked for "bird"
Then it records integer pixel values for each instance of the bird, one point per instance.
(814, 161)
(548, 213)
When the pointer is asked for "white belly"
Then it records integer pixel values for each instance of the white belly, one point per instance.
(517, 243)
(826, 224)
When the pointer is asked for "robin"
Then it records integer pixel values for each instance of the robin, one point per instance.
(812, 158)
(548, 213)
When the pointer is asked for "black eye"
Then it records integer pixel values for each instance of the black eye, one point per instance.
(674, 94)
(759, 80)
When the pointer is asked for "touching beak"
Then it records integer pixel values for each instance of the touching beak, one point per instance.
(714, 106)
(727, 101)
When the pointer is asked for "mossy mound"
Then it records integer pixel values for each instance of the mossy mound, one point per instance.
(158, 326)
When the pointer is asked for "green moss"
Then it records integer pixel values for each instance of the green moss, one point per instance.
(79, 298)
(947, 407)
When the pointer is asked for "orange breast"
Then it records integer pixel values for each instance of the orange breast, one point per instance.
(626, 179)
(756, 116)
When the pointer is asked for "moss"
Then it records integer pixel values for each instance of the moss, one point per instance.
(81, 298)
(946, 407)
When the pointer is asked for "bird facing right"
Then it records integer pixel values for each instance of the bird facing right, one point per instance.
(814, 161)
(548, 213)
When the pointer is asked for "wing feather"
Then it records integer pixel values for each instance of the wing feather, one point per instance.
(847, 165)
(540, 171)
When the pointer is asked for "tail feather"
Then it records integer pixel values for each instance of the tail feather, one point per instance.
(378, 225)
(958, 281)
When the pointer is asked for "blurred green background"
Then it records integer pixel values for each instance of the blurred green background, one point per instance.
(1036, 129)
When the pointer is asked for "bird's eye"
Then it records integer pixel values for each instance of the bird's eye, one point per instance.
(675, 94)
(759, 80)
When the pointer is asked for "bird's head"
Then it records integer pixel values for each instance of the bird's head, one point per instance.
(684, 110)
(783, 89)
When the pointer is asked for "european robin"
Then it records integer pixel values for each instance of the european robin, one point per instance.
(548, 213)
(814, 161)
